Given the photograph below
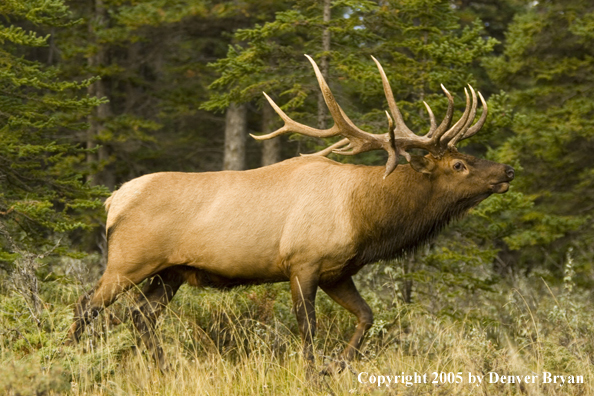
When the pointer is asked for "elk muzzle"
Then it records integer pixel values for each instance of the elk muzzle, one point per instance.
(503, 186)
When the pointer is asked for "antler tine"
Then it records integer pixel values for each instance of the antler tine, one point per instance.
(400, 125)
(468, 122)
(293, 126)
(330, 149)
(344, 125)
(350, 149)
(431, 119)
(391, 148)
(390, 122)
(453, 131)
(479, 124)
(445, 123)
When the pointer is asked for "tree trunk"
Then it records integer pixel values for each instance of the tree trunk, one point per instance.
(103, 175)
(235, 136)
(271, 148)
(324, 64)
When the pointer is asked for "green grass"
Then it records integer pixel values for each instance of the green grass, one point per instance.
(245, 342)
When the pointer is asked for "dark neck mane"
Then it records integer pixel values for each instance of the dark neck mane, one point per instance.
(393, 219)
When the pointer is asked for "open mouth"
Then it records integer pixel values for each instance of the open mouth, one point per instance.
(499, 188)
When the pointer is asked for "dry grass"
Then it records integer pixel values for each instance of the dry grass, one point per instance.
(245, 342)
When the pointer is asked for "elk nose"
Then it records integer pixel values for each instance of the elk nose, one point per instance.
(509, 171)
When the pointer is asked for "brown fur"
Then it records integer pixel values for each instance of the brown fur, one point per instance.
(309, 220)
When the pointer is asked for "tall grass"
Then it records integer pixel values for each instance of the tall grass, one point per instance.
(245, 342)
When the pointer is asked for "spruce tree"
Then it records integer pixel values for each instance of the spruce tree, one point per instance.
(43, 194)
(547, 68)
(151, 57)
(270, 57)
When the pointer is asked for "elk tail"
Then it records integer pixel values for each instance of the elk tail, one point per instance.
(108, 201)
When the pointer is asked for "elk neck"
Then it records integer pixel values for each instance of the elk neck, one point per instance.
(401, 213)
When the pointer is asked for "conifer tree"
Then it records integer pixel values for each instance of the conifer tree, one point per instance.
(271, 57)
(42, 189)
(151, 57)
(547, 69)
(420, 43)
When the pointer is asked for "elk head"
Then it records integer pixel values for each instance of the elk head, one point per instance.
(439, 141)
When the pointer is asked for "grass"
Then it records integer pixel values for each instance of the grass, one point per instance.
(245, 342)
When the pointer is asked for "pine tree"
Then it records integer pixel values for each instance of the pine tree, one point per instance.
(547, 68)
(271, 59)
(43, 193)
(152, 57)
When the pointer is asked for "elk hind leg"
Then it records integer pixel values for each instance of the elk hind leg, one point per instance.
(346, 294)
(89, 305)
(78, 326)
(155, 295)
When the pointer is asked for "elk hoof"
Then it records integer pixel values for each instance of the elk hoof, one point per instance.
(165, 368)
(334, 368)
(70, 341)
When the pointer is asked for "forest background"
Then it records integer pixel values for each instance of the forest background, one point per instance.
(95, 93)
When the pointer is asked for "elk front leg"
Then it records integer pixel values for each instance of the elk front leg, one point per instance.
(345, 293)
(303, 293)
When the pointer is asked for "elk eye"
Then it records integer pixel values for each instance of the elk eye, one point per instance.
(459, 166)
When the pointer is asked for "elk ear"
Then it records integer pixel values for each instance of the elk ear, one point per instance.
(422, 164)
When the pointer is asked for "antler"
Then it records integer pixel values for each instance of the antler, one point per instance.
(398, 139)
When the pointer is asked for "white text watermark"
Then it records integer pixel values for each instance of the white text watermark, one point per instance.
(411, 379)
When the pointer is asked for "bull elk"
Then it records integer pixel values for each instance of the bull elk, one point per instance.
(309, 221)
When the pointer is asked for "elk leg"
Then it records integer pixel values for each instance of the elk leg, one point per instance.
(156, 294)
(345, 294)
(303, 293)
(87, 308)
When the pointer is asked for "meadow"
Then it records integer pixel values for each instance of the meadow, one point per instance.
(245, 341)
